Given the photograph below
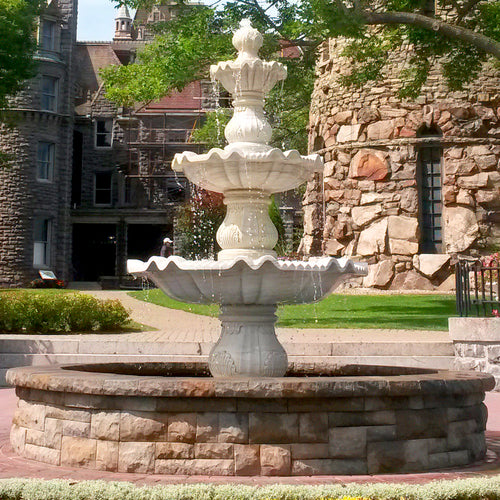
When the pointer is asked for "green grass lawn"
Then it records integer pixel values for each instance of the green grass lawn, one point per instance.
(411, 312)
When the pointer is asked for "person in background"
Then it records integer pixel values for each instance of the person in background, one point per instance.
(167, 248)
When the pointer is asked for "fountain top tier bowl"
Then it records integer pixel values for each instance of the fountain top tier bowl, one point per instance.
(248, 162)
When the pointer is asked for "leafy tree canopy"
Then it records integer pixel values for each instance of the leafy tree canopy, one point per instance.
(17, 45)
(458, 35)
(183, 50)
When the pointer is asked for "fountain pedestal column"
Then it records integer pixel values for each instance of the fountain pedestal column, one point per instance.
(247, 230)
(248, 346)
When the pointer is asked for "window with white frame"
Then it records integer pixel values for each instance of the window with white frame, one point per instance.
(48, 34)
(50, 89)
(45, 161)
(104, 133)
(103, 188)
(41, 247)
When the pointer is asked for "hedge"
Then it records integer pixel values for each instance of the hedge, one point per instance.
(24, 311)
(36, 489)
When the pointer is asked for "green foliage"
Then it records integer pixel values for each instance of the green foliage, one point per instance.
(211, 134)
(369, 49)
(199, 218)
(197, 222)
(486, 488)
(276, 219)
(181, 53)
(23, 311)
(17, 45)
(197, 37)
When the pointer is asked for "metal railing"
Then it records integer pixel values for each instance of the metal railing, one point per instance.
(477, 287)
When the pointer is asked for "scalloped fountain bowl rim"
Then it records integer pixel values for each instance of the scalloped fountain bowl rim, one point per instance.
(314, 264)
(236, 155)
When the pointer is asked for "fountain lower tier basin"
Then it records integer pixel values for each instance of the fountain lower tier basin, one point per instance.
(167, 418)
(242, 280)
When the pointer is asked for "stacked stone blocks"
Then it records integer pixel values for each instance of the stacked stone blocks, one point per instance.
(367, 202)
(338, 433)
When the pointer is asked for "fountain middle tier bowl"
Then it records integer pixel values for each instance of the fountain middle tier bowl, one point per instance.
(271, 171)
(242, 280)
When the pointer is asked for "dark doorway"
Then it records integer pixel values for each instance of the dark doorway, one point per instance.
(145, 240)
(94, 251)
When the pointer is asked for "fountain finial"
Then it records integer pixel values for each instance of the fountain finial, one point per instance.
(247, 41)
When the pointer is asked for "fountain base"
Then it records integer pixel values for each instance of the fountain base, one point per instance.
(156, 419)
(247, 346)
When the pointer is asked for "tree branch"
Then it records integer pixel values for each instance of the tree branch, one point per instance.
(478, 40)
(263, 13)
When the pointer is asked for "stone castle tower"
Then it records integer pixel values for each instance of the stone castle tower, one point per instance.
(35, 185)
(408, 184)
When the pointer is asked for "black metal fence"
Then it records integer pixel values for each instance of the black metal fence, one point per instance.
(478, 287)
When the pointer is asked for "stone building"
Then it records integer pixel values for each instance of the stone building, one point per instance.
(408, 185)
(35, 186)
(88, 184)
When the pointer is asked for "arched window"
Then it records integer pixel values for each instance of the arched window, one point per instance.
(429, 168)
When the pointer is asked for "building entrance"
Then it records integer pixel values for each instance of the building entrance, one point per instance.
(145, 240)
(94, 251)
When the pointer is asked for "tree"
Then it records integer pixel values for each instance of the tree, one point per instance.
(17, 45)
(459, 35)
(182, 52)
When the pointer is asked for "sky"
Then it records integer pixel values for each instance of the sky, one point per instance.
(96, 20)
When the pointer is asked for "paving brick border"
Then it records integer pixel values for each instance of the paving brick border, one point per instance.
(382, 420)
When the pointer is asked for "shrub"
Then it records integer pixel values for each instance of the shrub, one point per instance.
(35, 312)
(36, 489)
(39, 283)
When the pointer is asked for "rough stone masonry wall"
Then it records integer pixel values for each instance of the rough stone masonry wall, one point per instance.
(250, 436)
(22, 197)
(367, 202)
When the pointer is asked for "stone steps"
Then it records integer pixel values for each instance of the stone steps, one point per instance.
(46, 350)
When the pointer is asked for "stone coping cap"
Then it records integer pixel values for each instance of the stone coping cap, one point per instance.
(62, 379)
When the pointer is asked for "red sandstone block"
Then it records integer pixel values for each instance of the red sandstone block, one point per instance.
(213, 450)
(143, 426)
(275, 460)
(207, 427)
(136, 457)
(78, 452)
(182, 427)
(165, 451)
(246, 459)
(302, 451)
(233, 428)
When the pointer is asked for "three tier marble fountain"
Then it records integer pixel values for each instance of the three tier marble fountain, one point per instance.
(251, 412)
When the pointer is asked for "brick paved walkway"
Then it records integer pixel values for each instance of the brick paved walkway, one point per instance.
(14, 466)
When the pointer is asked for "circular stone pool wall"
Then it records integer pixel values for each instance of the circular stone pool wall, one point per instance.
(350, 420)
